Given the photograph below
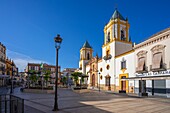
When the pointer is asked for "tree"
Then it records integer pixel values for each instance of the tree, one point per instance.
(64, 79)
(33, 77)
(47, 76)
(76, 76)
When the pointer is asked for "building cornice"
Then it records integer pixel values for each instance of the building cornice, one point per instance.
(116, 40)
(160, 36)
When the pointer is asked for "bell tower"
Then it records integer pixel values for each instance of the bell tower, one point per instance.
(116, 35)
(86, 53)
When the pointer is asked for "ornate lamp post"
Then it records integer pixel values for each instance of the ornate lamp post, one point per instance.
(58, 41)
(11, 91)
(99, 81)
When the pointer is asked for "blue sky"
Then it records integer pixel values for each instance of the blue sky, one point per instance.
(28, 27)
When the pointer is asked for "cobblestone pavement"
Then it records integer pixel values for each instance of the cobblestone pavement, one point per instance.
(90, 101)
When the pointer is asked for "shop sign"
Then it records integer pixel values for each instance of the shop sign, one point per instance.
(158, 73)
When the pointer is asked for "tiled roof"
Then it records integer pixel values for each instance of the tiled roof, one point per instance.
(86, 45)
(116, 15)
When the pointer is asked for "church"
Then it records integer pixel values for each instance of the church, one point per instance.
(125, 67)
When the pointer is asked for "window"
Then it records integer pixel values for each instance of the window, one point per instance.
(123, 35)
(123, 64)
(141, 63)
(81, 56)
(107, 52)
(88, 56)
(157, 60)
(107, 80)
(108, 37)
(80, 66)
(158, 57)
(101, 69)
(32, 68)
(107, 67)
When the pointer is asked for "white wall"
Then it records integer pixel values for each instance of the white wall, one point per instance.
(110, 62)
(122, 47)
(130, 64)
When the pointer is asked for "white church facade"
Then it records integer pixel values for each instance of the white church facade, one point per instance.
(128, 68)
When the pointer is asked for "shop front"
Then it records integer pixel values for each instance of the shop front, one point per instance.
(152, 83)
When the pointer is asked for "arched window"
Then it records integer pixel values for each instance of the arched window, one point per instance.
(88, 56)
(122, 35)
(141, 65)
(157, 60)
(123, 63)
(158, 57)
(108, 37)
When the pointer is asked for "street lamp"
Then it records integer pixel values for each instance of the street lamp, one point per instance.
(99, 81)
(11, 91)
(58, 41)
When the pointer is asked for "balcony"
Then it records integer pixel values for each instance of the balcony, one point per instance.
(108, 57)
(162, 67)
(144, 70)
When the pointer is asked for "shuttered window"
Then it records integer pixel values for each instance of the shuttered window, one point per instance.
(141, 63)
(156, 62)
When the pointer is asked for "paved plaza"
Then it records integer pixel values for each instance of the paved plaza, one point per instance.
(91, 101)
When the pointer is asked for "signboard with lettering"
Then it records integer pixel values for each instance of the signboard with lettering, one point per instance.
(167, 72)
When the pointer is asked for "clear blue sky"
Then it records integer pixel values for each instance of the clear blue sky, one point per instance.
(28, 27)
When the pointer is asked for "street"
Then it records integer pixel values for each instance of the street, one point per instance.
(91, 101)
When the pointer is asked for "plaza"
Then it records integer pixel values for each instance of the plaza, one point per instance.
(93, 56)
(92, 101)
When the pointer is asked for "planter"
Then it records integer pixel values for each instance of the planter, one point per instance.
(37, 91)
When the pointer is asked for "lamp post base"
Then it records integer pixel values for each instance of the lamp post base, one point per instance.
(56, 109)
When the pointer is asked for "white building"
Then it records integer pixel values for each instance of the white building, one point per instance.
(152, 63)
(116, 43)
(142, 69)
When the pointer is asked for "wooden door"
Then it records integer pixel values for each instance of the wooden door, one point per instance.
(93, 80)
(123, 85)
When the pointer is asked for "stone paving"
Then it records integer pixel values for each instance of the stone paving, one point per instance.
(93, 102)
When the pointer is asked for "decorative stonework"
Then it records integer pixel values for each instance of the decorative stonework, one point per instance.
(158, 48)
(160, 36)
(141, 54)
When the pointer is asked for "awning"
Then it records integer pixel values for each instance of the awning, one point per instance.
(141, 63)
(156, 60)
(148, 77)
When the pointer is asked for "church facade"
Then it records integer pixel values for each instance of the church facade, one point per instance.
(121, 67)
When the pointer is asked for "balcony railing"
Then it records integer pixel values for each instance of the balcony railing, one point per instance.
(108, 57)
(145, 69)
(162, 67)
